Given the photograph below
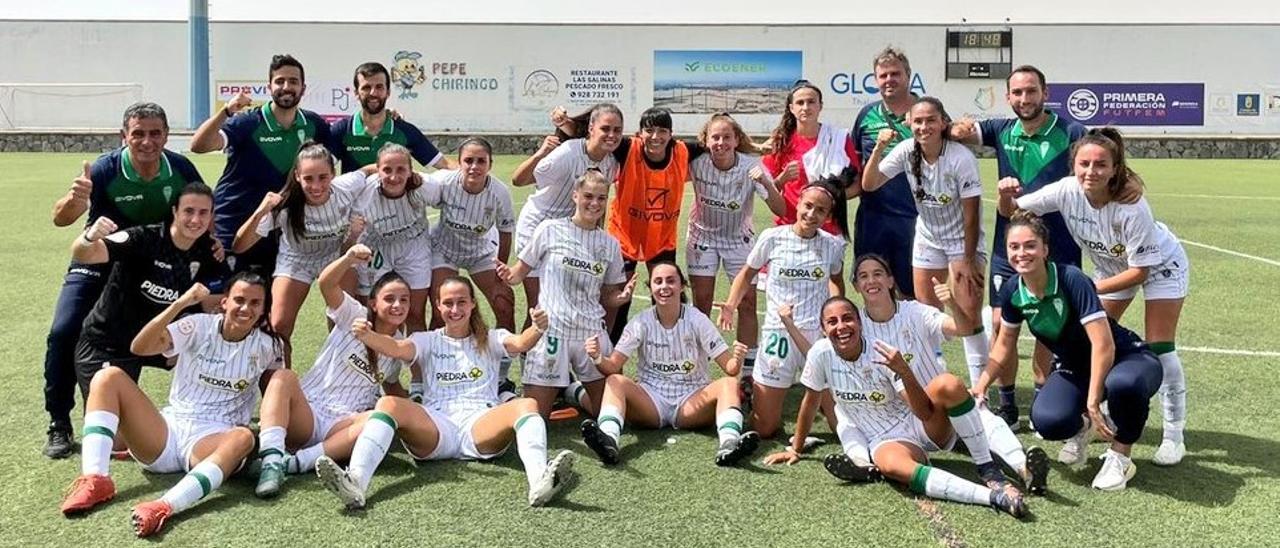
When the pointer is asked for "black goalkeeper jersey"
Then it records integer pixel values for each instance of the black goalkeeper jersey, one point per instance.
(148, 274)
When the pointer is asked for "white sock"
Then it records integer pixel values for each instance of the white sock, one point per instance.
(304, 460)
(1173, 396)
(96, 440)
(1001, 440)
(965, 420)
(854, 442)
(940, 484)
(504, 368)
(729, 424)
(976, 352)
(271, 445)
(610, 421)
(531, 444)
(197, 484)
(574, 393)
(371, 447)
(988, 330)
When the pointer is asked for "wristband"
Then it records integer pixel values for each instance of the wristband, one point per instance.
(598, 360)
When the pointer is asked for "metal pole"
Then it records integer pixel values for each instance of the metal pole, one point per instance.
(198, 37)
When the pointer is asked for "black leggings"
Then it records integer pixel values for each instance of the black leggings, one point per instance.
(1133, 379)
(629, 268)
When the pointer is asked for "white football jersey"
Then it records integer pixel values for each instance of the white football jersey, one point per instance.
(672, 362)
(915, 330)
(951, 179)
(325, 227)
(866, 393)
(216, 379)
(465, 218)
(342, 381)
(1116, 237)
(723, 201)
(576, 264)
(555, 175)
(389, 220)
(799, 271)
(457, 375)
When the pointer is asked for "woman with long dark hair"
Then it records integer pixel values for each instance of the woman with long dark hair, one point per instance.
(944, 180)
(317, 219)
(460, 416)
(203, 429)
(1098, 359)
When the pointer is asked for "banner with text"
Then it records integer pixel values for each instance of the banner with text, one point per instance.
(1130, 104)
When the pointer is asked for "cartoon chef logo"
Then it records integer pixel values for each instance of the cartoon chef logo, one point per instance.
(407, 72)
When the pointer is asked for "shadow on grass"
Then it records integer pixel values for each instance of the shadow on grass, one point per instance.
(1203, 477)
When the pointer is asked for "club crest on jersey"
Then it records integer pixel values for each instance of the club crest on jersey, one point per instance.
(1117, 250)
(801, 273)
(369, 371)
(1057, 305)
(574, 263)
(194, 267)
(908, 357)
(227, 385)
(168, 193)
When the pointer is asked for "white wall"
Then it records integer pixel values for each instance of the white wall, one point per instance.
(1227, 59)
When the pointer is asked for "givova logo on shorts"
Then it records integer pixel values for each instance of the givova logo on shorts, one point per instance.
(227, 385)
(586, 267)
(457, 377)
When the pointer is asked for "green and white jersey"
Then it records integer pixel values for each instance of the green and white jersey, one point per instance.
(1117, 236)
(723, 200)
(459, 376)
(799, 271)
(355, 147)
(866, 393)
(325, 225)
(916, 330)
(939, 191)
(389, 220)
(121, 194)
(343, 381)
(672, 362)
(216, 379)
(467, 219)
(576, 264)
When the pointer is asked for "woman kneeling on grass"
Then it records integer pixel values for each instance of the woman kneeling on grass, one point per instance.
(878, 394)
(220, 360)
(672, 343)
(1098, 359)
(460, 417)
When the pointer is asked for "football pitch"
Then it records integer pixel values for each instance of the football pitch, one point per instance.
(668, 492)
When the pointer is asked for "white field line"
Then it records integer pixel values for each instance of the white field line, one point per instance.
(1207, 350)
(1264, 260)
(1214, 196)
